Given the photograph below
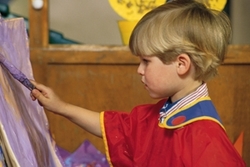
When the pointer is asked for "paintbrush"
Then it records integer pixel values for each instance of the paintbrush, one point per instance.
(16, 73)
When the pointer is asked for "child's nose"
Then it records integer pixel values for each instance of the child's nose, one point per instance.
(140, 69)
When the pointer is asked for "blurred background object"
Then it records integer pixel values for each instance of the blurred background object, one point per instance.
(95, 22)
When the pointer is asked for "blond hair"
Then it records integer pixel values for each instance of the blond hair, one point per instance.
(184, 27)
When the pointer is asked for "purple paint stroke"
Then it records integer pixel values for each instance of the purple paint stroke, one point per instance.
(17, 74)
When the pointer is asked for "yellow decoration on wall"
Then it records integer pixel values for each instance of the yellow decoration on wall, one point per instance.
(134, 9)
(214, 4)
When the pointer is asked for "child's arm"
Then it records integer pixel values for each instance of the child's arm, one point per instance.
(88, 120)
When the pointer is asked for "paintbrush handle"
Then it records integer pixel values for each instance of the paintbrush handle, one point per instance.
(18, 75)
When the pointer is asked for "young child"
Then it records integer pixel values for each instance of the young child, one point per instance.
(180, 45)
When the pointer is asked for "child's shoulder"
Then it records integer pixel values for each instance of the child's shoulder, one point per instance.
(203, 129)
(205, 125)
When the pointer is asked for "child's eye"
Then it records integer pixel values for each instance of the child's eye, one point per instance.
(145, 60)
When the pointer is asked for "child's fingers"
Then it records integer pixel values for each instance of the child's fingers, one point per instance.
(32, 97)
(40, 92)
(36, 94)
(38, 86)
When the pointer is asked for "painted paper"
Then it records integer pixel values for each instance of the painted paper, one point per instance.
(24, 129)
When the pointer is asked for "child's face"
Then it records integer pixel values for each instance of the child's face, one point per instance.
(161, 80)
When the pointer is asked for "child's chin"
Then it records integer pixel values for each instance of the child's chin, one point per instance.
(153, 96)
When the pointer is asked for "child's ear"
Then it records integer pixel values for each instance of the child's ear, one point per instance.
(183, 64)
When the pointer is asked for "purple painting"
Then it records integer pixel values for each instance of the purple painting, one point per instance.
(24, 138)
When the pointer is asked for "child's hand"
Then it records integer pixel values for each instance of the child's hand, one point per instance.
(87, 119)
(46, 97)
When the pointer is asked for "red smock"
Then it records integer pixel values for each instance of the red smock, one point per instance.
(136, 140)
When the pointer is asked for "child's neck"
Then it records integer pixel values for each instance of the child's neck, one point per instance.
(185, 90)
